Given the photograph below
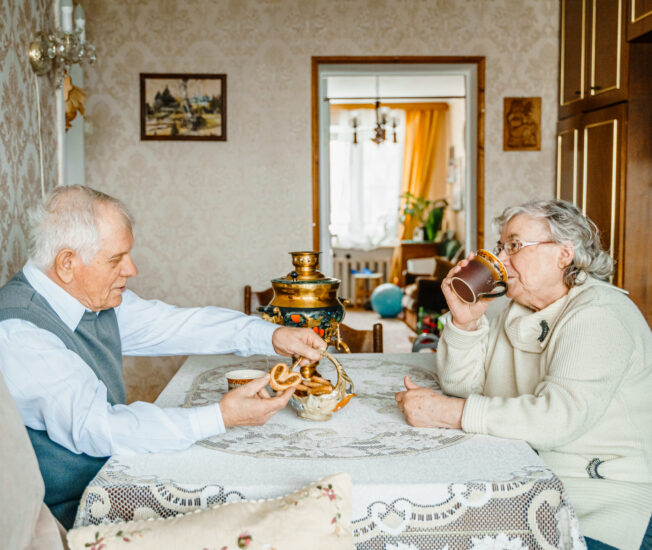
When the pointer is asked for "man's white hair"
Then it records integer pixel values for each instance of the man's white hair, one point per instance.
(68, 218)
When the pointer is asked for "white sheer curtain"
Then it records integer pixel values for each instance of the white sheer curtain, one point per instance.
(365, 181)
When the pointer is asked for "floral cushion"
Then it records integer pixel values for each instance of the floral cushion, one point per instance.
(316, 517)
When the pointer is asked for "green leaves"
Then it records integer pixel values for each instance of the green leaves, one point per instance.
(429, 213)
(435, 219)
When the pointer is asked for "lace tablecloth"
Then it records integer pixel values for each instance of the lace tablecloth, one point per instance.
(426, 489)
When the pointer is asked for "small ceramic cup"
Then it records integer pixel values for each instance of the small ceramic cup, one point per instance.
(477, 279)
(237, 378)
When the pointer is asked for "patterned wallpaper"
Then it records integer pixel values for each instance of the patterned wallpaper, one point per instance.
(20, 185)
(213, 216)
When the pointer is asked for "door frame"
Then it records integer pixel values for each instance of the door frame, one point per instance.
(479, 63)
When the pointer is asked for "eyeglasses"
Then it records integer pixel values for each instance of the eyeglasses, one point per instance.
(513, 246)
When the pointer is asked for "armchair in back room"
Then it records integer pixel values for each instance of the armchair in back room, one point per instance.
(424, 277)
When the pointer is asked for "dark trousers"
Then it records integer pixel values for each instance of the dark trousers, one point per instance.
(646, 544)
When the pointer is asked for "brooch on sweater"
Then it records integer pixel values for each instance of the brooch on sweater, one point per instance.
(592, 468)
(545, 329)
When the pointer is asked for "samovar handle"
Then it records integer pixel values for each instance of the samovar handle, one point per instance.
(342, 377)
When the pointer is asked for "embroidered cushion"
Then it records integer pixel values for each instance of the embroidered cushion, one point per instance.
(316, 517)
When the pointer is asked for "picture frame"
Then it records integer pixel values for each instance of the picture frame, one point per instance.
(522, 124)
(182, 107)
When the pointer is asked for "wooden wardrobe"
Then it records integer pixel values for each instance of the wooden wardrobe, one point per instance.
(604, 131)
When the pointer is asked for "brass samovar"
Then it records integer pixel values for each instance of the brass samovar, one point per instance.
(305, 297)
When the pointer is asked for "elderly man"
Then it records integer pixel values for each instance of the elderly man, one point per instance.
(66, 320)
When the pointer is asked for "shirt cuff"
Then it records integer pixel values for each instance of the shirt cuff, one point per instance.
(464, 339)
(262, 341)
(207, 421)
(475, 414)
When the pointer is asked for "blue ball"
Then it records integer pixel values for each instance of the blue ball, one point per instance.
(386, 300)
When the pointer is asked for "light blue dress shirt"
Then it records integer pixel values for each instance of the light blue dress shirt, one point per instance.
(56, 391)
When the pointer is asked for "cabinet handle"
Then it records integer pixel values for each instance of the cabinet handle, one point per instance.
(578, 92)
(596, 87)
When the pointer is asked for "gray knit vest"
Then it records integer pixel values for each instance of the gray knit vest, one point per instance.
(97, 341)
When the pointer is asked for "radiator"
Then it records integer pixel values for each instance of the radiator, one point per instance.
(344, 260)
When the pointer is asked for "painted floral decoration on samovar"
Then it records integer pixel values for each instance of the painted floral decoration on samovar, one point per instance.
(305, 297)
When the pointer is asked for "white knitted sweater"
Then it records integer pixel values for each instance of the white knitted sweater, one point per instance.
(580, 392)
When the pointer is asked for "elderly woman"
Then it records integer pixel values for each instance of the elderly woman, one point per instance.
(567, 366)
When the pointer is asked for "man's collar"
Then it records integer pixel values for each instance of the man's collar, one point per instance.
(68, 308)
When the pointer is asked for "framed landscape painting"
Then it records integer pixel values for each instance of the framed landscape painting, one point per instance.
(182, 107)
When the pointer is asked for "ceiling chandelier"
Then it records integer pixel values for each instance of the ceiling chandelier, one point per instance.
(382, 120)
(379, 130)
(385, 119)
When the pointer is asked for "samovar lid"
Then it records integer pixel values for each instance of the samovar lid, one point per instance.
(305, 270)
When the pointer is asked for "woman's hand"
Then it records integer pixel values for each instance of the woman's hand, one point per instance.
(425, 408)
(464, 316)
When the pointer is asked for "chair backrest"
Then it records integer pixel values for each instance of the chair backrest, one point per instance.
(421, 266)
(262, 298)
(363, 341)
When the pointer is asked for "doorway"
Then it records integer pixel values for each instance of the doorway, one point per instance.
(471, 69)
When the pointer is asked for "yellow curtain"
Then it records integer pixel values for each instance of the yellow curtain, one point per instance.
(424, 163)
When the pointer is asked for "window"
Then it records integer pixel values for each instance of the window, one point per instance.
(365, 179)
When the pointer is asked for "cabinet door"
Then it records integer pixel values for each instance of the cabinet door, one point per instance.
(639, 21)
(568, 160)
(572, 56)
(638, 196)
(606, 70)
(593, 55)
(603, 177)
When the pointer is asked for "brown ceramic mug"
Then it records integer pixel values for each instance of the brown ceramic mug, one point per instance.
(477, 279)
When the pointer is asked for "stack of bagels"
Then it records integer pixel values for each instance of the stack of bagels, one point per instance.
(282, 378)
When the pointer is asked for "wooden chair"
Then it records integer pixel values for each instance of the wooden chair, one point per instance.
(363, 341)
(262, 297)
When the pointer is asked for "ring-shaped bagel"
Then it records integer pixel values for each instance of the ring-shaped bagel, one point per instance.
(281, 378)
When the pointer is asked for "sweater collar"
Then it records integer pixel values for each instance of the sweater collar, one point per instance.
(530, 331)
(68, 308)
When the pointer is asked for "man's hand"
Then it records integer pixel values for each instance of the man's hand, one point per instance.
(298, 342)
(251, 405)
(425, 408)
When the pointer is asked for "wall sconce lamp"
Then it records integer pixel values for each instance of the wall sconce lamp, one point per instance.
(60, 49)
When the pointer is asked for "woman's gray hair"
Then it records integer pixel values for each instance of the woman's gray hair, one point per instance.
(68, 218)
(567, 224)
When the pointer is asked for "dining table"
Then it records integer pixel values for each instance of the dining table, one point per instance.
(412, 488)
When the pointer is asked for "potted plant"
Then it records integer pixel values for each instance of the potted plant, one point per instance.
(435, 218)
(424, 213)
